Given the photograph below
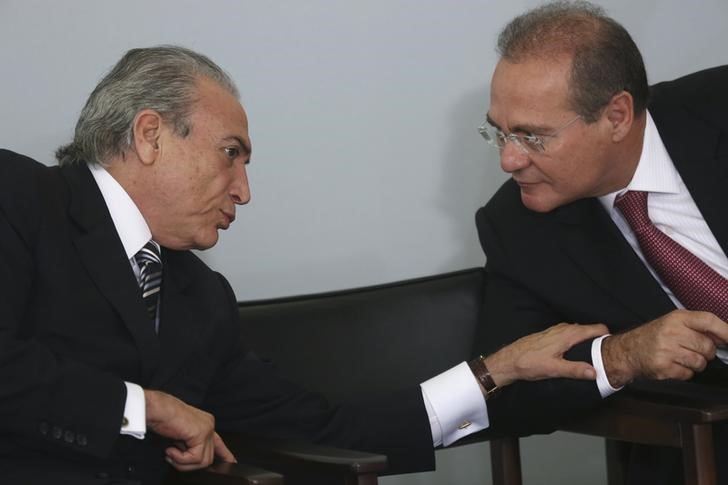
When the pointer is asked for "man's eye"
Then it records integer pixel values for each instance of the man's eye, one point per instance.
(533, 140)
(232, 152)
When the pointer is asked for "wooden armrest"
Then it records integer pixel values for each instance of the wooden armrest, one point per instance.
(297, 463)
(651, 412)
(688, 402)
(226, 474)
(289, 457)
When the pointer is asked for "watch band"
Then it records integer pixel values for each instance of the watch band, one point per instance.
(481, 372)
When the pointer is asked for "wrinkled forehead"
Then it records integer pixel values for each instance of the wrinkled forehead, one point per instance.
(531, 90)
(219, 110)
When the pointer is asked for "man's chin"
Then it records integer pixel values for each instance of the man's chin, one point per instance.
(537, 203)
(207, 242)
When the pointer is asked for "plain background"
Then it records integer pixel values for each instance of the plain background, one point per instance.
(367, 166)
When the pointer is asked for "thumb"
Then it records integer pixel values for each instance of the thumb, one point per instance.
(222, 451)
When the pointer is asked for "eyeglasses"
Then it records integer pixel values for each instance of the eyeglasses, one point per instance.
(527, 143)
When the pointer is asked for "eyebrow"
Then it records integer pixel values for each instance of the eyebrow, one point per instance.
(522, 128)
(490, 121)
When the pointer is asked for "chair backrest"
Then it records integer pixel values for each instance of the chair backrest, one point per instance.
(368, 340)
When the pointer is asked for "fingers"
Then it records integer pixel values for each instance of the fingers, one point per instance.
(692, 361)
(556, 340)
(700, 345)
(192, 429)
(540, 355)
(575, 334)
(193, 458)
(674, 346)
(200, 456)
(221, 450)
(574, 370)
(566, 335)
(706, 323)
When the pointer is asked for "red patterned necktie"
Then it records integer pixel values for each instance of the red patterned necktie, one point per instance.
(694, 283)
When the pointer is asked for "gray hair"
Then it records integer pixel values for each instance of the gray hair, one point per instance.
(161, 78)
(605, 59)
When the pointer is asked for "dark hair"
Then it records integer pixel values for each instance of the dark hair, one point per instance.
(161, 78)
(605, 59)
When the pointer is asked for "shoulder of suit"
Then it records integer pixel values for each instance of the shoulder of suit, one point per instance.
(505, 208)
(13, 162)
(712, 77)
(28, 188)
(17, 172)
(702, 90)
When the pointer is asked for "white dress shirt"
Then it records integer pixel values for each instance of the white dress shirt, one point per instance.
(453, 400)
(673, 211)
(134, 234)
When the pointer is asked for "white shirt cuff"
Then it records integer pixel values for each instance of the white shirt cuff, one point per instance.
(455, 405)
(135, 419)
(722, 353)
(605, 388)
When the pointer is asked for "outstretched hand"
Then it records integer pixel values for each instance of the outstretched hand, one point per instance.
(541, 355)
(193, 431)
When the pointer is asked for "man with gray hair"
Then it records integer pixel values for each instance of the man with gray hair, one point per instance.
(120, 350)
(615, 211)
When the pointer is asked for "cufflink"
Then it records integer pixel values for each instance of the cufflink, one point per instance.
(124, 422)
(464, 424)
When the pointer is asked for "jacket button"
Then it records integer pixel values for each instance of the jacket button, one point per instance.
(56, 432)
(81, 440)
(102, 475)
(43, 428)
(69, 437)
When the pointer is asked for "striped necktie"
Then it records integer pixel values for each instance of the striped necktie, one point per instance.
(150, 277)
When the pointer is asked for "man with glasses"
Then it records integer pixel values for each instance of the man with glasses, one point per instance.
(615, 211)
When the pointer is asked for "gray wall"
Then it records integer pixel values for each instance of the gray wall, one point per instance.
(367, 166)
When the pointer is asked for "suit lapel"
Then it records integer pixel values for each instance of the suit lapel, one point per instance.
(595, 244)
(182, 321)
(102, 254)
(700, 155)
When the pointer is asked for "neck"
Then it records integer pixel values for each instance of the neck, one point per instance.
(629, 153)
(130, 174)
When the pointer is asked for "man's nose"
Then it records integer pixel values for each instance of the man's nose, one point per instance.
(512, 157)
(240, 190)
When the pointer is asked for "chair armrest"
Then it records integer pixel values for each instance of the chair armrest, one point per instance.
(651, 412)
(226, 474)
(297, 459)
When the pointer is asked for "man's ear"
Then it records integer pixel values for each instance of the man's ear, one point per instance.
(620, 115)
(147, 129)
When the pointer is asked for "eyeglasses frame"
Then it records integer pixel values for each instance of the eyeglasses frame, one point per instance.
(528, 143)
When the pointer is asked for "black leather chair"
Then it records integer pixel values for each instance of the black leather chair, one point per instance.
(354, 340)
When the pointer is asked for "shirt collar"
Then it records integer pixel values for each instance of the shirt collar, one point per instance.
(655, 171)
(128, 220)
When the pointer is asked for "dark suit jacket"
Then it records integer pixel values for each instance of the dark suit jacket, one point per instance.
(73, 327)
(572, 264)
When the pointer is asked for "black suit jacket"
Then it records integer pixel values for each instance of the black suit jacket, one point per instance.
(73, 328)
(572, 264)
